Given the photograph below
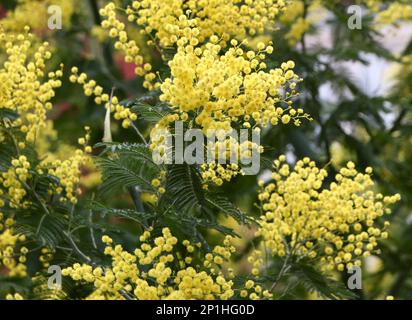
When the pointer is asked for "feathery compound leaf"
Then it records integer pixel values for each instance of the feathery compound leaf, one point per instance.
(189, 226)
(224, 205)
(139, 217)
(152, 114)
(127, 165)
(140, 151)
(135, 152)
(46, 229)
(184, 187)
(123, 172)
(8, 284)
(314, 281)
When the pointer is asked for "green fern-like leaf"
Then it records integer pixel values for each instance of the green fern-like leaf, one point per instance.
(126, 171)
(314, 281)
(149, 113)
(138, 217)
(184, 188)
(224, 205)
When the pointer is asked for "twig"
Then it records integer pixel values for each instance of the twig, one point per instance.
(91, 228)
(398, 121)
(305, 13)
(34, 194)
(140, 134)
(89, 261)
(77, 250)
(40, 224)
(283, 270)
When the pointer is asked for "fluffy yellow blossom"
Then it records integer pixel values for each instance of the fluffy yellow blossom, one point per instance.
(26, 96)
(11, 258)
(159, 182)
(68, 172)
(13, 179)
(300, 18)
(91, 88)
(336, 225)
(225, 87)
(395, 12)
(299, 27)
(23, 15)
(222, 20)
(22, 89)
(128, 47)
(217, 90)
(398, 11)
(150, 272)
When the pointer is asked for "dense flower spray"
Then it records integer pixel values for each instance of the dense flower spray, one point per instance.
(91, 88)
(225, 18)
(25, 99)
(130, 48)
(148, 273)
(22, 15)
(22, 87)
(336, 225)
(222, 88)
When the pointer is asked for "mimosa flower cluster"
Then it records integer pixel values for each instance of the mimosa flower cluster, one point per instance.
(25, 92)
(227, 150)
(13, 179)
(22, 88)
(211, 87)
(224, 18)
(25, 98)
(23, 14)
(389, 12)
(220, 88)
(68, 172)
(294, 17)
(254, 290)
(148, 272)
(394, 13)
(12, 254)
(335, 225)
(128, 47)
(91, 88)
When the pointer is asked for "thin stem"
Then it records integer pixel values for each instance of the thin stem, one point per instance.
(14, 141)
(140, 134)
(285, 268)
(305, 13)
(89, 261)
(77, 250)
(34, 194)
(40, 224)
(71, 217)
(91, 228)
